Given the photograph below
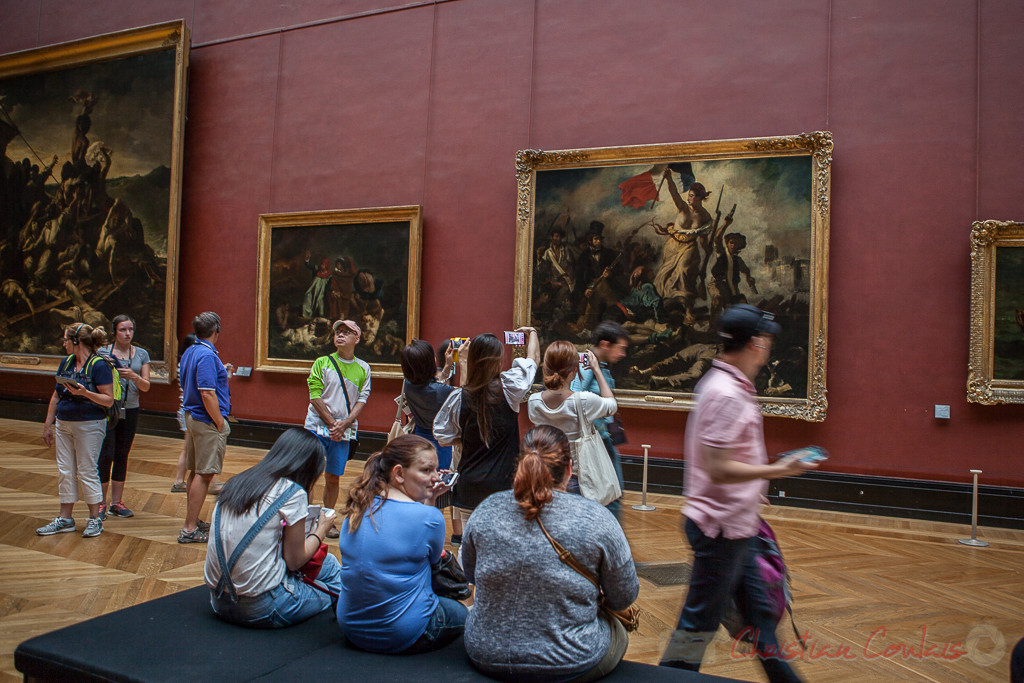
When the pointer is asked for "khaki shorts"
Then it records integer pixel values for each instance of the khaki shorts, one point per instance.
(204, 445)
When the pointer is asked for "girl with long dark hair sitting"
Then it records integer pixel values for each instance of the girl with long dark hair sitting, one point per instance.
(262, 587)
(391, 536)
(534, 618)
(484, 417)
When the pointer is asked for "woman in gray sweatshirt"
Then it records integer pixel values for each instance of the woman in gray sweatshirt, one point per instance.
(534, 618)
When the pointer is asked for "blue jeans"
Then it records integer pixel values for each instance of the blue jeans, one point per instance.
(445, 625)
(444, 453)
(291, 602)
(724, 569)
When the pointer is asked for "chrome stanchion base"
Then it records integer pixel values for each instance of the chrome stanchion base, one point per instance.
(974, 542)
(648, 508)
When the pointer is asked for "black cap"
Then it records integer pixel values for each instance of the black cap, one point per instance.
(739, 323)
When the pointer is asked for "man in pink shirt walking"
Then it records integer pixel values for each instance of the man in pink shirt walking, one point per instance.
(725, 479)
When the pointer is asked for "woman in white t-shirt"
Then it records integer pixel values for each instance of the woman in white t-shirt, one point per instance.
(556, 406)
(265, 588)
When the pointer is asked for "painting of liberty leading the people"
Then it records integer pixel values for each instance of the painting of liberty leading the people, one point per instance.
(85, 198)
(322, 273)
(663, 249)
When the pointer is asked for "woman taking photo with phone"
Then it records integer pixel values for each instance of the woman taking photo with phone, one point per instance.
(132, 364)
(534, 617)
(391, 536)
(558, 406)
(484, 417)
(76, 420)
(424, 394)
(263, 588)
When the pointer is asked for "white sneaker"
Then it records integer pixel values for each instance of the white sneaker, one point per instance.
(94, 527)
(59, 525)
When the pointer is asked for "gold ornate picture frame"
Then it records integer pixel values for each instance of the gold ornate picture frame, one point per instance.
(995, 370)
(320, 266)
(92, 139)
(661, 238)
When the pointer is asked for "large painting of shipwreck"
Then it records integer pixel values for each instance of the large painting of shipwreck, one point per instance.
(91, 142)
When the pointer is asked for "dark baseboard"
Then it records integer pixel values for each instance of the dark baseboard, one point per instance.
(999, 506)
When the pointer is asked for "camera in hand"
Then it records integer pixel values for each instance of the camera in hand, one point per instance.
(515, 338)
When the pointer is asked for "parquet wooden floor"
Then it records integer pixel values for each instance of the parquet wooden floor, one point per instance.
(867, 590)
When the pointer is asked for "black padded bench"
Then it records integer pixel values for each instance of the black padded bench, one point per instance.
(178, 638)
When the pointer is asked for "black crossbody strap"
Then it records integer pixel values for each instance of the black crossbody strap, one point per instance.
(344, 389)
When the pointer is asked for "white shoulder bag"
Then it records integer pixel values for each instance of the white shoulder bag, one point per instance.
(596, 473)
(398, 429)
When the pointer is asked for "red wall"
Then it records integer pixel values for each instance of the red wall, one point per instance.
(428, 105)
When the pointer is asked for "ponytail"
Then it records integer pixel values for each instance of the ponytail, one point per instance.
(98, 338)
(560, 362)
(90, 337)
(372, 483)
(544, 460)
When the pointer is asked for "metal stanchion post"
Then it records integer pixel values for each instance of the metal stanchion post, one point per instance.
(973, 540)
(643, 506)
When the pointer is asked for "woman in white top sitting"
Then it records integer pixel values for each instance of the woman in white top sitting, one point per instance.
(263, 588)
(556, 405)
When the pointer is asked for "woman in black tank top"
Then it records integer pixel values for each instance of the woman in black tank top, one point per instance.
(488, 424)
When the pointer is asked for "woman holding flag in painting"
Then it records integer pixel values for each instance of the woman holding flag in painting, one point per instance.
(678, 276)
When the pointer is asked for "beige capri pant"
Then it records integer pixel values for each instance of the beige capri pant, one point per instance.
(78, 454)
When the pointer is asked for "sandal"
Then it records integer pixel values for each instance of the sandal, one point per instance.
(203, 526)
(179, 487)
(194, 536)
(216, 489)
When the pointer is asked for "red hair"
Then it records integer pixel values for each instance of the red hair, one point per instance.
(560, 360)
(543, 461)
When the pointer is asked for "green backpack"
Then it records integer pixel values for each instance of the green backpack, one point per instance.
(116, 410)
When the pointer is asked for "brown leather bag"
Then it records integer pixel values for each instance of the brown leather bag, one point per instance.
(629, 617)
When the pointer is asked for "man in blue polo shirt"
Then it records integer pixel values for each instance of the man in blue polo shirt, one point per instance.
(207, 404)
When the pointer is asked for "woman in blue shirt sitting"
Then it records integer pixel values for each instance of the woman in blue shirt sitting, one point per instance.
(391, 536)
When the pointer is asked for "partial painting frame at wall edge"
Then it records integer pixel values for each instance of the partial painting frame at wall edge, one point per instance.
(995, 370)
(92, 230)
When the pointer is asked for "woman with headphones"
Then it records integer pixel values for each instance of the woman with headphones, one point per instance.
(133, 365)
(77, 417)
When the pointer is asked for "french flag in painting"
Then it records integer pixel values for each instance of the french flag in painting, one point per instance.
(640, 189)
